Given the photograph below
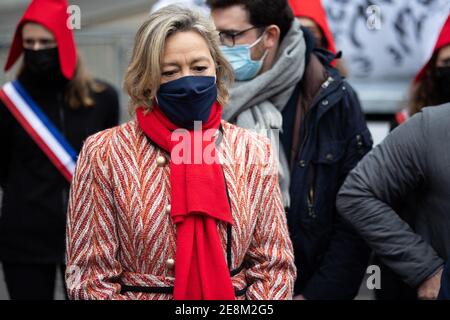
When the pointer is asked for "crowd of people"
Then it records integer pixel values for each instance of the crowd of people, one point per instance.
(246, 171)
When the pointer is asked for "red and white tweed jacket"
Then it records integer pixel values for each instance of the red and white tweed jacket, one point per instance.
(120, 235)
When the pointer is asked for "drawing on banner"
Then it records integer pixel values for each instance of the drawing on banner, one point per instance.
(383, 37)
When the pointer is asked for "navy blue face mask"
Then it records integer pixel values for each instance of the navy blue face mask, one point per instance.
(187, 99)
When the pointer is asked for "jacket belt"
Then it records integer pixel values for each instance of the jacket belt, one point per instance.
(169, 289)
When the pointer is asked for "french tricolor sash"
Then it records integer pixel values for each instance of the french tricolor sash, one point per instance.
(40, 128)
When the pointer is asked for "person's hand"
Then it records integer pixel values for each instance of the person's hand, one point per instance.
(429, 289)
(299, 297)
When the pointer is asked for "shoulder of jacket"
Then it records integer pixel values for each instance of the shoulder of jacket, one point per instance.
(345, 96)
(440, 113)
(335, 86)
(435, 119)
(107, 92)
(101, 140)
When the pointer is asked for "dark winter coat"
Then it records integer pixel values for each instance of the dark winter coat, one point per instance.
(35, 194)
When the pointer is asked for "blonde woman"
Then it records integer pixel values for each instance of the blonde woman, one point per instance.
(156, 213)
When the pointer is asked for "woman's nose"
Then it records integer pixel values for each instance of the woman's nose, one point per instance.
(37, 45)
(186, 72)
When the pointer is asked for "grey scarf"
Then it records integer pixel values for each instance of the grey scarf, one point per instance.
(257, 104)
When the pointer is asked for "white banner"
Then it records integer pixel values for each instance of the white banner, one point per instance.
(386, 38)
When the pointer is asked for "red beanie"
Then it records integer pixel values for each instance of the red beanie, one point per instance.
(314, 10)
(443, 41)
(51, 14)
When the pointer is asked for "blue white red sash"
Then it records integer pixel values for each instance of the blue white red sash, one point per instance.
(40, 128)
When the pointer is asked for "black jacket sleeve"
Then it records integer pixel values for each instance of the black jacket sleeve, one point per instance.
(344, 263)
(390, 172)
(112, 117)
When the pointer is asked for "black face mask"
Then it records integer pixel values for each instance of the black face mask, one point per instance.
(443, 82)
(43, 63)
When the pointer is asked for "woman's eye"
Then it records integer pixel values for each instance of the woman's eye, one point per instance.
(200, 68)
(168, 73)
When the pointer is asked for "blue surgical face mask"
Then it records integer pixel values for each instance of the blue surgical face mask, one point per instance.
(240, 59)
(187, 99)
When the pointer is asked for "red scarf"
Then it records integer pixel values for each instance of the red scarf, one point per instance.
(199, 201)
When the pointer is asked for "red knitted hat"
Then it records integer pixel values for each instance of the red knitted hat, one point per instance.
(51, 14)
(314, 10)
(443, 41)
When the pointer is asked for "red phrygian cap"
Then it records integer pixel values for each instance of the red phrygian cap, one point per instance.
(314, 10)
(443, 41)
(51, 14)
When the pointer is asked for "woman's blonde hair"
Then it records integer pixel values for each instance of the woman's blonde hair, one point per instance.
(143, 76)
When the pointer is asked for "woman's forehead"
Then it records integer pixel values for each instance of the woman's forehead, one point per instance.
(444, 52)
(187, 45)
(32, 29)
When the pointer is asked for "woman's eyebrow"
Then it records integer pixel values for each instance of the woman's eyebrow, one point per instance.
(195, 60)
(199, 59)
(170, 64)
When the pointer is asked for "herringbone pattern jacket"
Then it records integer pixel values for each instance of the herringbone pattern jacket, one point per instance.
(120, 237)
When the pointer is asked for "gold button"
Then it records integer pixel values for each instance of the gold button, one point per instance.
(170, 263)
(168, 208)
(161, 161)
